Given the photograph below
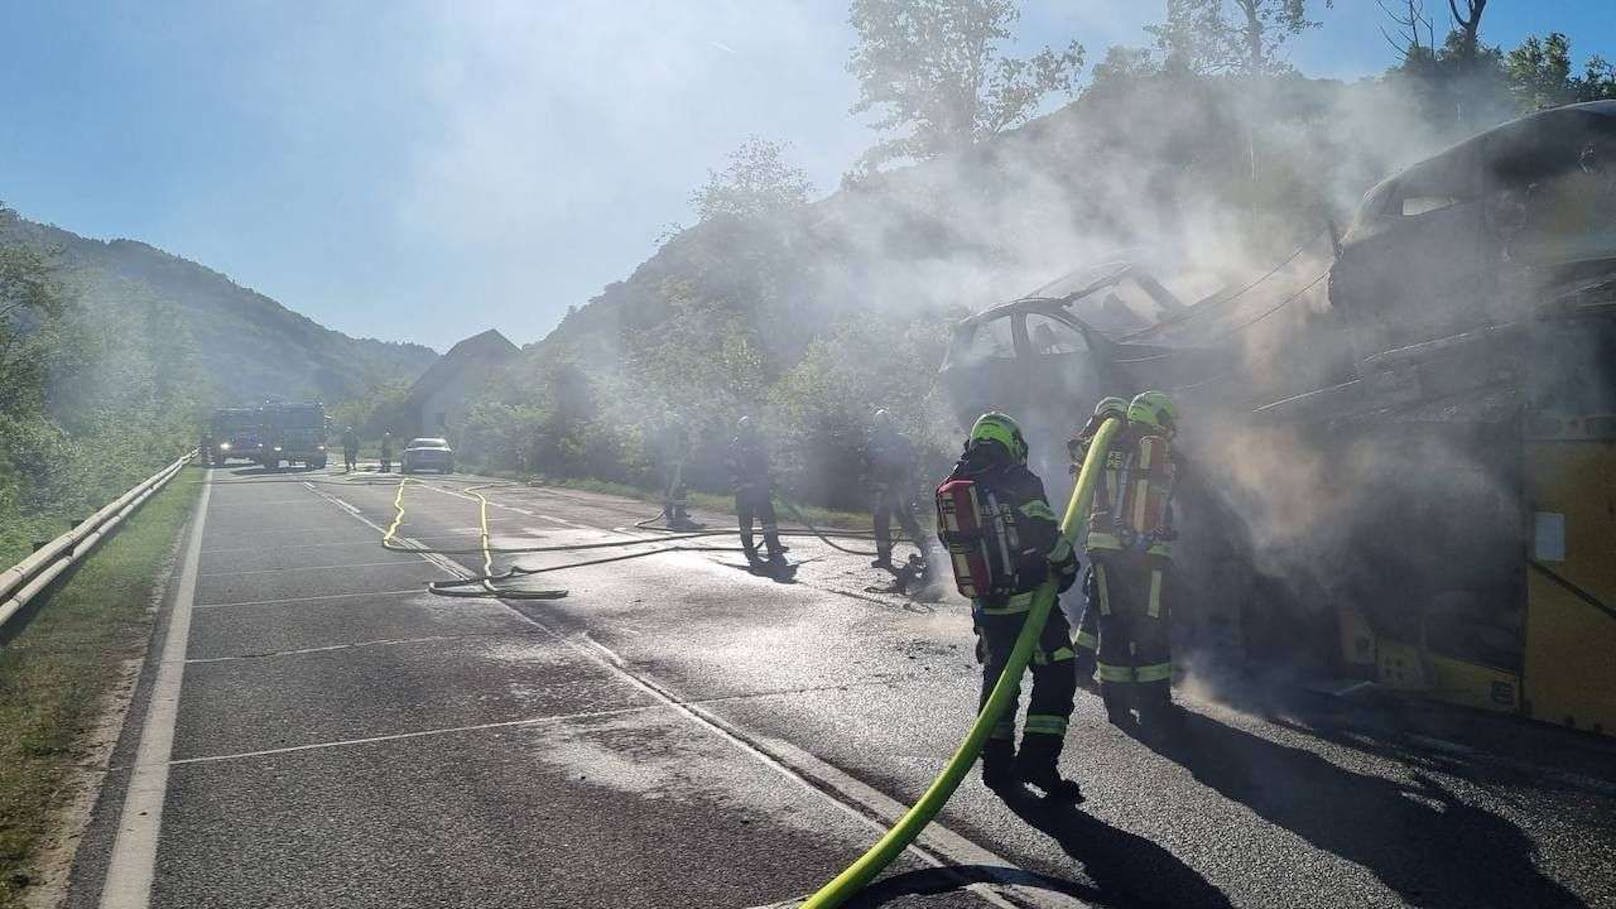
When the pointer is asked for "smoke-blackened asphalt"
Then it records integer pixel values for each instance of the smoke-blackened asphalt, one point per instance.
(679, 732)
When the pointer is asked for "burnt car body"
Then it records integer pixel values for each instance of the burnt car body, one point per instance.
(1108, 328)
(427, 454)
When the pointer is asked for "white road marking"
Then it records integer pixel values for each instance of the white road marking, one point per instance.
(322, 596)
(354, 645)
(423, 733)
(282, 548)
(392, 564)
(134, 852)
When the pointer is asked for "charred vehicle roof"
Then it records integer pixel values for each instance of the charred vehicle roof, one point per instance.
(1113, 327)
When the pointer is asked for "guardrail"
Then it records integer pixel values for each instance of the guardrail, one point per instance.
(22, 582)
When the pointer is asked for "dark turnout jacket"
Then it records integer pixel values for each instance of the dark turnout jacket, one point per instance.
(1039, 541)
(748, 464)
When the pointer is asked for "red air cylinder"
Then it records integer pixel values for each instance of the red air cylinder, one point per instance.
(967, 529)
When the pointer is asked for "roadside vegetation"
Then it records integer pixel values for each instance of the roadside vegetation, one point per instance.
(54, 675)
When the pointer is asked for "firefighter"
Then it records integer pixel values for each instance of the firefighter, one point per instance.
(889, 462)
(350, 450)
(995, 461)
(749, 471)
(1088, 626)
(387, 452)
(1130, 546)
(675, 502)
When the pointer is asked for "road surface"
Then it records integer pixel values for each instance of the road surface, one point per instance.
(314, 728)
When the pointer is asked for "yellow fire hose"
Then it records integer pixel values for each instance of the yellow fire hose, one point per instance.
(908, 827)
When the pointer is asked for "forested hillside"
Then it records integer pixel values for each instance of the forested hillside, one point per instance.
(111, 354)
(809, 314)
(248, 346)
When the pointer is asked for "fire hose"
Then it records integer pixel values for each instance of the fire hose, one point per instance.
(486, 584)
(861, 872)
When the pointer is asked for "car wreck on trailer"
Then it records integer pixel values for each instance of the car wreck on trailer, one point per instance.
(1439, 430)
(1478, 288)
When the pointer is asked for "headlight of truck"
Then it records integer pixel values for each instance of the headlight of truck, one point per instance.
(224, 446)
(322, 448)
(277, 448)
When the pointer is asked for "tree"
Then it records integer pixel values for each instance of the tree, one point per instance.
(31, 304)
(1464, 41)
(1208, 37)
(932, 68)
(1539, 73)
(1417, 53)
(758, 182)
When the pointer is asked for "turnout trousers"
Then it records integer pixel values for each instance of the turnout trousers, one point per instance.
(1134, 657)
(889, 504)
(753, 504)
(1054, 683)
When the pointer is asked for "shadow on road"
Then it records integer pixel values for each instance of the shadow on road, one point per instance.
(1418, 838)
(934, 881)
(1125, 869)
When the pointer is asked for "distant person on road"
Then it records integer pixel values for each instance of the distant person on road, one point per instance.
(1013, 546)
(350, 450)
(889, 465)
(749, 471)
(387, 452)
(675, 445)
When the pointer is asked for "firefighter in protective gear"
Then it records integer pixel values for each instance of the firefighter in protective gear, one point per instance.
(1130, 546)
(749, 471)
(387, 452)
(995, 459)
(675, 445)
(350, 450)
(889, 463)
(1087, 641)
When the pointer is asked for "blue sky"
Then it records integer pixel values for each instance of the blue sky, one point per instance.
(421, 171)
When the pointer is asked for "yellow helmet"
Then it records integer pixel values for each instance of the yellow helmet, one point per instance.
(1153, 410)
(1111, 406)
(997, 427)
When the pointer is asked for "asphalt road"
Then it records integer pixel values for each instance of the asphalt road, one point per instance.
(315, 728)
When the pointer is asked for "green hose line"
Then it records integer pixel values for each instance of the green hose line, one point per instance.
(908, 827)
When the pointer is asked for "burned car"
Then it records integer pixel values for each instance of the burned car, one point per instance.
(1063, 341)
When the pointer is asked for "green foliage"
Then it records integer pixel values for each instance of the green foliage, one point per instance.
(758, 181)
(380, 408)
(932, 68)
(1207, 37)
(1539, 73)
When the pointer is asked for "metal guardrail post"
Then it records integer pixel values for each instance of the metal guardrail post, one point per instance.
(24, 581)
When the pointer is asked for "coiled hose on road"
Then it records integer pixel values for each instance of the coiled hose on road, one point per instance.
(861, 872)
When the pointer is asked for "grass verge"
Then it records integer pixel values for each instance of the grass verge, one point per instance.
(55, 674)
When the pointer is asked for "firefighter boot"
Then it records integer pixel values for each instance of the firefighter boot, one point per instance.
(1158, 715)
(1036, 765)
(1117, 706)
(999, 764)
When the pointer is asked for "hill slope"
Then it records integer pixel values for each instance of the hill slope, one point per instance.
(249, 346)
